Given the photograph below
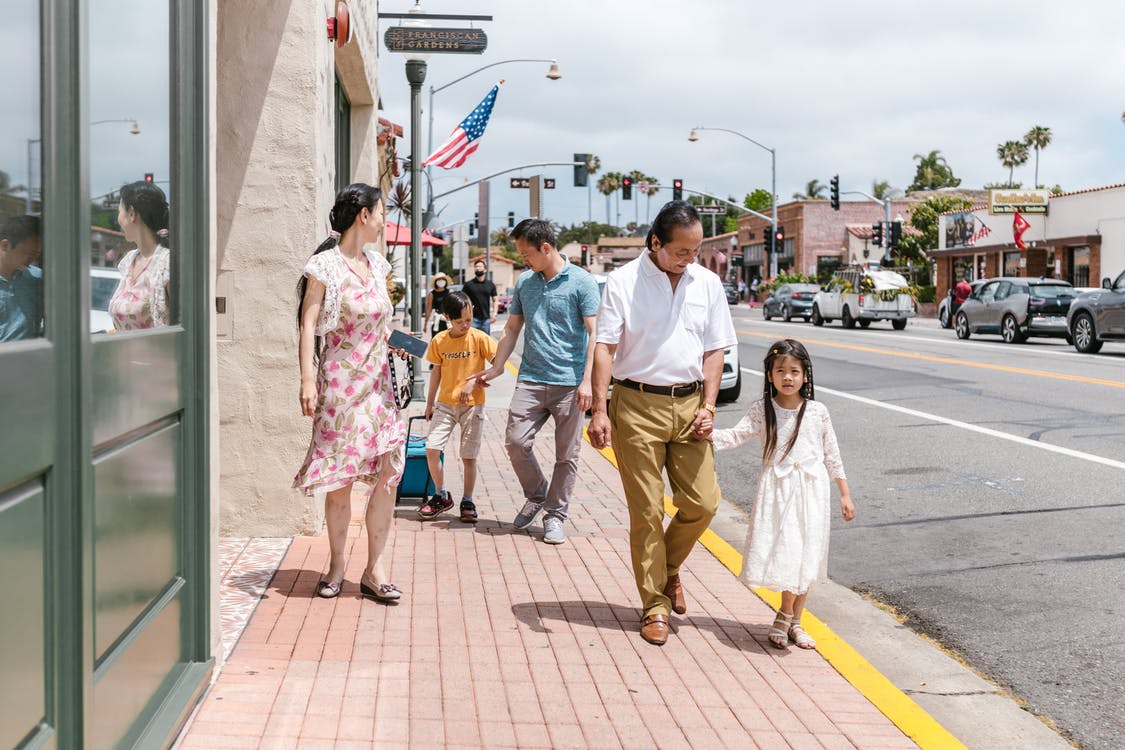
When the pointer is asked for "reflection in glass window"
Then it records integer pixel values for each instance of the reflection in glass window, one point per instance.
(130, 166)
(21, 193)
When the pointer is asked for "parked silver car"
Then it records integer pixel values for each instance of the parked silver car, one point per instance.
(1016, 308)
(945, 311)
(1098, 316)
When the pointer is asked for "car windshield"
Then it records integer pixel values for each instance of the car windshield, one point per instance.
(1052, 291)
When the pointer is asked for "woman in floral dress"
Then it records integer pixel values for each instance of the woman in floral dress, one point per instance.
(141, 297)
(344, 319)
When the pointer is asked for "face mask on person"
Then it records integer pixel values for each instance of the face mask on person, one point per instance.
(480, 274)
(440, 285)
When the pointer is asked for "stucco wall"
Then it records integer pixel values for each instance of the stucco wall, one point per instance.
(274, 188)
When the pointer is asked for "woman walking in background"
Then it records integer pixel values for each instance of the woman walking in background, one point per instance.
(344, 318)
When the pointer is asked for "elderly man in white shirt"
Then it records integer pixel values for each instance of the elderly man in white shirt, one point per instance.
(662, 327)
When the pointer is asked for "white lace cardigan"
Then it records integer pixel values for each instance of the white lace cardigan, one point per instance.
(330, 269)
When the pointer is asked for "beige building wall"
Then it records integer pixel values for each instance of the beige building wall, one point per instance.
(274, 185)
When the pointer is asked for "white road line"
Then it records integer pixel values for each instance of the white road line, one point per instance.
(966, 426)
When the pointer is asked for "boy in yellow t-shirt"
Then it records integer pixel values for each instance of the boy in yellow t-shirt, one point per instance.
(458, 352)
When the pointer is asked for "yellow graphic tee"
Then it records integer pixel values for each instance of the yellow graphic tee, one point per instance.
(458, 359)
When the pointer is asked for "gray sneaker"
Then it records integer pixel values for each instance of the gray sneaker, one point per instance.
(527, 514)
(553, 530)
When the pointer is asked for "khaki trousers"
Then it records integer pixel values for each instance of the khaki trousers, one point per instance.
(651, 434)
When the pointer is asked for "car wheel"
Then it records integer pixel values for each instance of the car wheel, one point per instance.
(1083, 333)
(846, 319)
(898, 325)
(865, 324)
(786, 314)
(944, 319)
(961, 325)
(815, 317)
(766, 312)
(1010, 330)
(727, 395)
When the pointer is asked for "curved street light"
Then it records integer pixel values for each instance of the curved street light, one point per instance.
(693, 137)
(134, 129)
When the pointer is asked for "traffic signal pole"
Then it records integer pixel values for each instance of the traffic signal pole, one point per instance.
(886, 247)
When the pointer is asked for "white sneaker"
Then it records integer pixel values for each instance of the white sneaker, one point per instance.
(527, 514)
(553, 530)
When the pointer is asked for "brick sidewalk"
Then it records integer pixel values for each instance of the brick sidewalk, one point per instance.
(503, 641)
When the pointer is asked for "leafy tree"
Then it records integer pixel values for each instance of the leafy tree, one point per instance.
(1037, 138)
(593, 164)
(814, 191)
(759, 200)
(1012, 154)
(503, 240)
(924, 218)
(584, 231)
(933, 172)
(882, 189)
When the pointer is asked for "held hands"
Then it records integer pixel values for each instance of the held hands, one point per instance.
(479, 380)
(703, 425)
(847, 509)
(308, 397)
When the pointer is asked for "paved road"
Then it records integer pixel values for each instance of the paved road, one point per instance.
(990, 484)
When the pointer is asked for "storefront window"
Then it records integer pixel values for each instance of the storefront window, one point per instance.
(1011, 264)
(130, 167)
(1080, 266)
(21, 177)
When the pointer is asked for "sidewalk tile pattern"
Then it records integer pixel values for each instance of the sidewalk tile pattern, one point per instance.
(503, 641)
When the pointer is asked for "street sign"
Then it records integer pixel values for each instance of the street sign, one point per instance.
(525, 182)
(435, 40)
(710, 209)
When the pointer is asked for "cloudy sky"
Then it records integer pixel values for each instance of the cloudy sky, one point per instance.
(850, 88)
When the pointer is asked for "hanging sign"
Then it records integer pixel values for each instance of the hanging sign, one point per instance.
(433, 40)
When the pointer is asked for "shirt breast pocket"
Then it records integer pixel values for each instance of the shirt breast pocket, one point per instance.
(695, 317)
(559, 307)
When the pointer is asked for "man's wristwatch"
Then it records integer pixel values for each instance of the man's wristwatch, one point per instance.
(710, 408)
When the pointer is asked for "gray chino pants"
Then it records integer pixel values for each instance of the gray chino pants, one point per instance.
(532, 404)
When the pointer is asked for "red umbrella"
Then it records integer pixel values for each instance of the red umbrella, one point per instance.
(400, 235)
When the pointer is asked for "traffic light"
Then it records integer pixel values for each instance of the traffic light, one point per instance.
(476, 222)
(511, 219)
(780, 237)
(677, 189)
(149, 177)
(896, 233)
(768, 236)
(835, 185)
(626, 188)
(581, 171)
(877, 234)
(585, 255)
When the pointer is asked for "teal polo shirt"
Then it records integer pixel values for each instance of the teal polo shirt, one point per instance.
(19, 304)
(554, 331)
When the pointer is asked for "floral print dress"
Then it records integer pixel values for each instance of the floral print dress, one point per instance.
(358, 432)
(140, 300)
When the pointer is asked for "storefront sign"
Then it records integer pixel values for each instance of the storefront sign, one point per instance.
(408, 39)
(1024, 201)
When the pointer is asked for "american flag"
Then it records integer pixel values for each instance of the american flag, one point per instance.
(463, 141)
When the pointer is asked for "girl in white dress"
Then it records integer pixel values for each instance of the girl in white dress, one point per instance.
(787, 545)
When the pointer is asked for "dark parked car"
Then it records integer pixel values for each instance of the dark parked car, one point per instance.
(945, 309)
(1016, 308)
(1098, 316)
(732, 293)
(790, 301)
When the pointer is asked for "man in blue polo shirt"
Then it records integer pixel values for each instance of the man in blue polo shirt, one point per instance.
(558, 302)
(21, 281)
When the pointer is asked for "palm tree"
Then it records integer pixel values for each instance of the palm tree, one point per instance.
(399, 201)
(933, 172)
(814, 191)
(1037, 138)
(882, 189)
(608, 184)
(1012, 154)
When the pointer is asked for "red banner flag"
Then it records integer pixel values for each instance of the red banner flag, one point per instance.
(1019, 226)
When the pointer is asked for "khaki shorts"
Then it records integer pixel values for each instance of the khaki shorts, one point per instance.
(469, 418)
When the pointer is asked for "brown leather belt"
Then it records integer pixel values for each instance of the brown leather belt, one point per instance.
(682, 389)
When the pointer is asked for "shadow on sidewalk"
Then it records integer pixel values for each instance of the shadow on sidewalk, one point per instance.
(607, 616)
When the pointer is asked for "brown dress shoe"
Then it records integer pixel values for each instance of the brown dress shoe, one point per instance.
(674, 591)
(654, 629)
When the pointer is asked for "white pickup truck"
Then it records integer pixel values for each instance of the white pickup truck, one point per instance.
(861, 295)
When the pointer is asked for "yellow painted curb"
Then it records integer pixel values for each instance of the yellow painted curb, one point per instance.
(907, 715)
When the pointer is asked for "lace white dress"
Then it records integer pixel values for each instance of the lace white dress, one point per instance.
(787, 544)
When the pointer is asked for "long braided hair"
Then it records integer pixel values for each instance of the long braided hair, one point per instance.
(796, 350)
(349, 202)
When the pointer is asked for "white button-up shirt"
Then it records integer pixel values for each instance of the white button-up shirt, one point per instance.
(661, 335)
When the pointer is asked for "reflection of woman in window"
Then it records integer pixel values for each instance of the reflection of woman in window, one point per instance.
(141, 298)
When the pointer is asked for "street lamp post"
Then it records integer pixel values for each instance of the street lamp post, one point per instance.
(134, 129)
(416, 76)
(773, 182)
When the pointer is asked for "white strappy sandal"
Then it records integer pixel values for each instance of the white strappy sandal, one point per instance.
(779, 631)
(798, 635)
